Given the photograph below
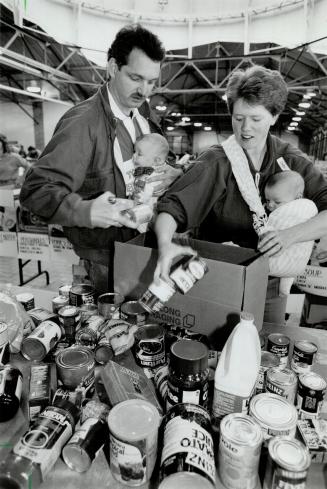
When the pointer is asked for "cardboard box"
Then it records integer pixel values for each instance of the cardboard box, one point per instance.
(315, 310)
(236, 281)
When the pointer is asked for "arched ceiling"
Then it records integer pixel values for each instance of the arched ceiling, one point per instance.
(192, 86)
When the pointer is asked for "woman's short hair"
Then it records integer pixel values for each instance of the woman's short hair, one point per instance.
(258, 86)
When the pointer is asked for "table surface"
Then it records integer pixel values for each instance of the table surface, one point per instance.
(99, 475)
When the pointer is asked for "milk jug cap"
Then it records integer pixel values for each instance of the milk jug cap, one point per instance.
(246, 316)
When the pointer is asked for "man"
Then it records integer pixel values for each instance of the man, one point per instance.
(89, 158)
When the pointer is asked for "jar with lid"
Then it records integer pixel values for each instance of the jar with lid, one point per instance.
(188, 374)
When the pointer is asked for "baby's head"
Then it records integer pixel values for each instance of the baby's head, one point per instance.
(150, 150)
(283, 187)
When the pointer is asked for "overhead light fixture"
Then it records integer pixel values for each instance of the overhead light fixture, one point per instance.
(295, 124)
(161, 108)
(33, 87)
(170, 128)
(173, 114)
(224, 97)
(186, 119)
(304, 105)
(198, 124)
(207, 128)
(298, 119)
(178, 114)
(291, 128)
(300, 112)
(309, 95)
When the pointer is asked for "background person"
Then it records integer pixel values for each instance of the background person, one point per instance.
(12, 166)
(89, 157)
(208, 197)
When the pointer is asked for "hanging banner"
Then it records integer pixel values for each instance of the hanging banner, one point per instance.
(313, 280)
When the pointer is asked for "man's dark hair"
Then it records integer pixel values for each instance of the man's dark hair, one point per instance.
(5, 146)
(135, 36)
(258, 86)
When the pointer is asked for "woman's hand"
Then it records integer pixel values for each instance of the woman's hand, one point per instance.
(274, 243)
(165, 259)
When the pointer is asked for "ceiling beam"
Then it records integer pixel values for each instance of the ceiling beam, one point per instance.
(32, 95)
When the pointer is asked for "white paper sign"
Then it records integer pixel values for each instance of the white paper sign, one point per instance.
(8, 244)
(33, 246)
(313, 280)
(62, 249)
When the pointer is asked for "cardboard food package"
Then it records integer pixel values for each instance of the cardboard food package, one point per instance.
(236, 281)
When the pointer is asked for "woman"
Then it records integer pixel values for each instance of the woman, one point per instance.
(10, 164)
(209, 198)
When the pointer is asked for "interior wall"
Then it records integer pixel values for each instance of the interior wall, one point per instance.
(16, 124)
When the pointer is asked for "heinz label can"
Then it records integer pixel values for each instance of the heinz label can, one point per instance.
(239, 451)
(37, 344)
(82, 294)
(188, 452)
(133, 427)
(303, 357)
(310, 395)
(279, 345)
(287, 465)
(282, 382)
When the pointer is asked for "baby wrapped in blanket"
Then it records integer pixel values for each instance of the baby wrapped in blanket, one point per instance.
(287, 207)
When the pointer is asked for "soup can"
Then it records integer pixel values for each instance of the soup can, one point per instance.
(64, 290)
(275, 415)
(187, 456)
(103, 351)
(90, 331)
(75, 367)
(282, 382)
(81, 294)
(37, 344)
(109, 304)
(149, 346)
(287, 465)
(310, 395)
(39, 314)
(268, 360)
(70, 319)
(133, 427)
(27, 300)
(133, 313)
(279, 345)
(239, 451)
(303, 357)
(59, 302)
(88, 310)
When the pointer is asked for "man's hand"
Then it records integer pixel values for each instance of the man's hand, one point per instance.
(165, 259)
(105, 213)
(164, 179)
(274, 243)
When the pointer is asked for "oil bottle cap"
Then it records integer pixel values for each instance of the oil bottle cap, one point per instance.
(188, 356)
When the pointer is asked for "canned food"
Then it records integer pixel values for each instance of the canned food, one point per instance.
(310, 395)
(90, 331)
(133, 426)
(70, 318)
(109, 304)
(275, 415)
(37, 344)
(81, 294)
(39, 314)
(26, 300)
(88, 310)
(94, 409)
(304, 353)
(160, 380)
(11, 384)
(282, 382)
(157, 294)
(188, 453)
(279, 345)
(149, 346)
(103, 351)
(239, 451)
(268, 360)
(287, 465)
(64, 290)
(133, 313)
(187, 272)
(141, 213)
(59, 302)
(75, 367)
(76, 397)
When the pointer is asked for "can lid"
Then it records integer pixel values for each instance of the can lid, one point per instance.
(291, 454)
(241, 429)
(76, 457)
(188, 356)
(273, 411)
(313, 380)
(24, 297)
(4, 335)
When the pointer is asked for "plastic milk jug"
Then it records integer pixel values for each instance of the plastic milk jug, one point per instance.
(237, 370)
